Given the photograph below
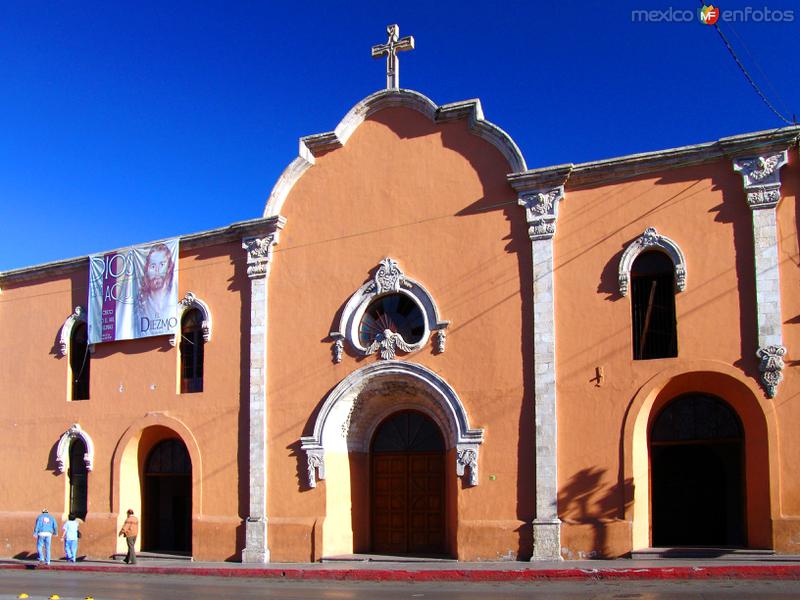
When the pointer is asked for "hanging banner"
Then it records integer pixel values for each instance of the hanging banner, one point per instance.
(133, 292)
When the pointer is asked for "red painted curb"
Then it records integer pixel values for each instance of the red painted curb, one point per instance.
(751, 572)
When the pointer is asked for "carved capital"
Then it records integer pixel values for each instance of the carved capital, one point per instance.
(771, 367)
(541, 211)
(761, 178)
(467, 457)
(259, 254)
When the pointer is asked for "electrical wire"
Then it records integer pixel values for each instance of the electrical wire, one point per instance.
(747, 75)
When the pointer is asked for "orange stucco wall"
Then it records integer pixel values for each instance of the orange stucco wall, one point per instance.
(133, 387)
(434, 198)
(703, 210)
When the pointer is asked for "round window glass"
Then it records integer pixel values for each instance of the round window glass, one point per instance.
(396, 312)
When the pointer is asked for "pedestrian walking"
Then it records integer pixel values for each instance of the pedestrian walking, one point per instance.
(44, 530)
(71, 535)
(130, 529)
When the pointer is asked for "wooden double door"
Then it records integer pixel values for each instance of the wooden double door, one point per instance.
(407, 495)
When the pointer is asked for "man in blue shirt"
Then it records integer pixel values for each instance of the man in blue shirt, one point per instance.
(44, 531)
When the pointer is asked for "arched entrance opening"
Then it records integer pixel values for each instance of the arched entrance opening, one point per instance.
(408, 485)
(167, 496)
(697, 474)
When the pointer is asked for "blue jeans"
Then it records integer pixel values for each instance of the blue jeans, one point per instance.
(71, 549)
(43, 547)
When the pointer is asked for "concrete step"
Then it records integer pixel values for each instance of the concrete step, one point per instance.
(177, 556)
(380, 558)
(702, 552)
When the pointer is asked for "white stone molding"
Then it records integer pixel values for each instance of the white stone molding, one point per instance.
(188, 302)
(259, 257)
(762, 185)
(62, 450)
(65, 337)
(540, 195)
(390, 49)
(652, 240)
(541, 211)
(388, 279)
(353, 410)
(315, 145)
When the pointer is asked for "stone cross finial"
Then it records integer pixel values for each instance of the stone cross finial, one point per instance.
(394, 45)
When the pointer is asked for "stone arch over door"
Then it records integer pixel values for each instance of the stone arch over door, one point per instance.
(127, 474)
(757, 417)
(338, 451)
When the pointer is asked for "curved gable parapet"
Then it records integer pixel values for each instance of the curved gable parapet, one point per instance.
(652, 240)
(312, 146)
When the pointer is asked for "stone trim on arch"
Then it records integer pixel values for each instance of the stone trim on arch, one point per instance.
(188, 302)
(651, 240)
(315, 145)
(335, 426)
(388, 279)
(65, 336)
(62, 450)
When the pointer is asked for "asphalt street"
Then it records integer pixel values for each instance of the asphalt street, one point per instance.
(132, 586)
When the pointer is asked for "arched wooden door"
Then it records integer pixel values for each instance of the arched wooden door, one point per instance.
(407, 499)
(697, 474)
(167, 515)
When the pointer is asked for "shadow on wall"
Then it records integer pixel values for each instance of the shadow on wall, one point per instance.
(586, 500)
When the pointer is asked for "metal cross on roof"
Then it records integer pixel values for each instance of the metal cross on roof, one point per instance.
(394, 45)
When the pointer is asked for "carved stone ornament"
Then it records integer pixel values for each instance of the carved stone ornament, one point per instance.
(338, 349)
(62, 450)
(259, 254)
(541, 211)
(651, 240)
(188, 302)
(389, 279)
(316, 466)
(771, 367)
(78, 316)
(761, 178)
(467, 458)
(441, 339)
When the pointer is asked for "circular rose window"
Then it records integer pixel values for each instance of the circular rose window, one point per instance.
(396, 312)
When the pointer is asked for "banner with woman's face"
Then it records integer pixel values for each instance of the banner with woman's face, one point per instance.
(133, 292)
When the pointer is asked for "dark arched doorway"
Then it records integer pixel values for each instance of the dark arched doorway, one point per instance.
(167, 515)
(697, 474)
(407, 499)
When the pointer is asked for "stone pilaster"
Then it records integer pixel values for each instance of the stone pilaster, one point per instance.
(761, 175)
(541, 210)
(259, 255)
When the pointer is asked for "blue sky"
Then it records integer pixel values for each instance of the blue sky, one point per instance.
(126, 122)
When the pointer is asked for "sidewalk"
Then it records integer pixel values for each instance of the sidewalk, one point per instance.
(774, 567)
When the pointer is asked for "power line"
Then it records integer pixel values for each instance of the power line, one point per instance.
(748, 77)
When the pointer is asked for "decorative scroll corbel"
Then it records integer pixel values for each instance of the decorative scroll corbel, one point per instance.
(771, 367)
(316, 465)
(338, 347)
(467, 457)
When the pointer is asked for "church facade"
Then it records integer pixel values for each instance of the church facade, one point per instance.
(425, 347)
